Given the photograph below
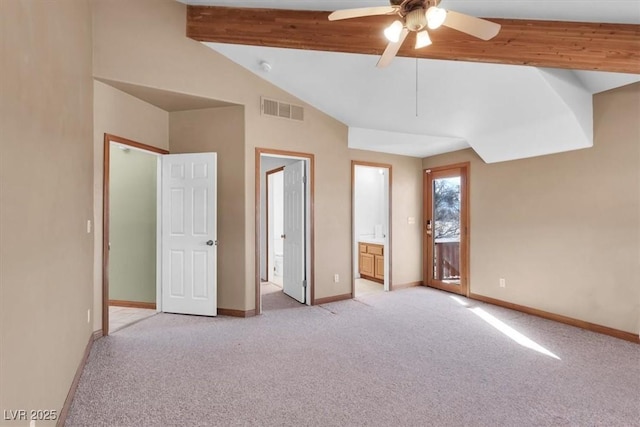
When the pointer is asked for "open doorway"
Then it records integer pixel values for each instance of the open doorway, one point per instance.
(371, 216)
(284, 230)
(274, 222)
(129, 232)
(159, 233)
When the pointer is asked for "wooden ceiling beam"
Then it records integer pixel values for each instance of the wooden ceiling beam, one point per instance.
(555, 44)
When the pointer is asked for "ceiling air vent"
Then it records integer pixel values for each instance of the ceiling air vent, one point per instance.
(271, 107)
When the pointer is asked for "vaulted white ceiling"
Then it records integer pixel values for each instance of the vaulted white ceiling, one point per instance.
(426, 107)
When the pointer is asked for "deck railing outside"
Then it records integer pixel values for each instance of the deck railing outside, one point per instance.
(446, 259)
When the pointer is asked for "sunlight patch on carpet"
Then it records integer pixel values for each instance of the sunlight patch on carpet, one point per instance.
(512, 333)
(459, 300)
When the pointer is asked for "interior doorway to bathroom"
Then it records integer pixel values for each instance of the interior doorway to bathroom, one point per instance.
(284, 258)
(274, 224)
(371, 219)
(272, 291)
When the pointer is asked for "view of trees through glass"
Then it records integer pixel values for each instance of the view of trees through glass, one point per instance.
(447, 208)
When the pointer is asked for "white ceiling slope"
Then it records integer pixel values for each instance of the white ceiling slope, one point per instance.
(406, 144)
(503, 112)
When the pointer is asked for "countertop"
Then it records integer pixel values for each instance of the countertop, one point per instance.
(372, 240)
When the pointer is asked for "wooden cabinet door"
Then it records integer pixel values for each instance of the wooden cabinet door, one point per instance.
(375, 249)
(379, 267)
(367, 265)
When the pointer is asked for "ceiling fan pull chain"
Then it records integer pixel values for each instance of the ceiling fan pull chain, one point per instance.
(416, 86)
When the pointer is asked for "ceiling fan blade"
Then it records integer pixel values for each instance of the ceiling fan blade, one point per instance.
(477, 27)
(391, 50)
(363, 11)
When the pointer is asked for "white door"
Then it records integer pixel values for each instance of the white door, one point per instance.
(189, 233)
(293, 280)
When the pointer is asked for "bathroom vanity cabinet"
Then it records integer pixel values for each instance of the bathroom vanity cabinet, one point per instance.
(371, 261)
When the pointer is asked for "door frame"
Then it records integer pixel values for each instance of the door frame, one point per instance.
(107, 140)
(266, 221)
(388, 250)
(464, 287)
(258, 218)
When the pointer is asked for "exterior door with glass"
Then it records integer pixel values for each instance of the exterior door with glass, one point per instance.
(445, 228)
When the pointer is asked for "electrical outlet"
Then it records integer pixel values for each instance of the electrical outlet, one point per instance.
(336, 278)
(503, 283)
(88, 226)
(411, 220)
(89, 316)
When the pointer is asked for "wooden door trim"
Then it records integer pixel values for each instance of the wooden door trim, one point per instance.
(389, 167)
(451, 166)
(107, 139)
(266, 220)
(257, 181)
(465, 224)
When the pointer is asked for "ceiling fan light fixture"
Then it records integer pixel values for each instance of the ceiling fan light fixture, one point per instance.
(422, 39)
(416, 16)
(416, 20)
(392, 32)
(435, 17)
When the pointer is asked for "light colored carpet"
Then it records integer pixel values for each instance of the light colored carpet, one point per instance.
(412, 357)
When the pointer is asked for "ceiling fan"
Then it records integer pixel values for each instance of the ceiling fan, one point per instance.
(416, 16)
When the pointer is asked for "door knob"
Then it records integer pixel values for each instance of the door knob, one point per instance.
(210, 243)
(282, 236)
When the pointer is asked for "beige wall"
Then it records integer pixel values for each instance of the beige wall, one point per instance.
(123, 115)
(45, 198)
(563, 229)
(220, 130)
(132, 225)
(157, 54)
